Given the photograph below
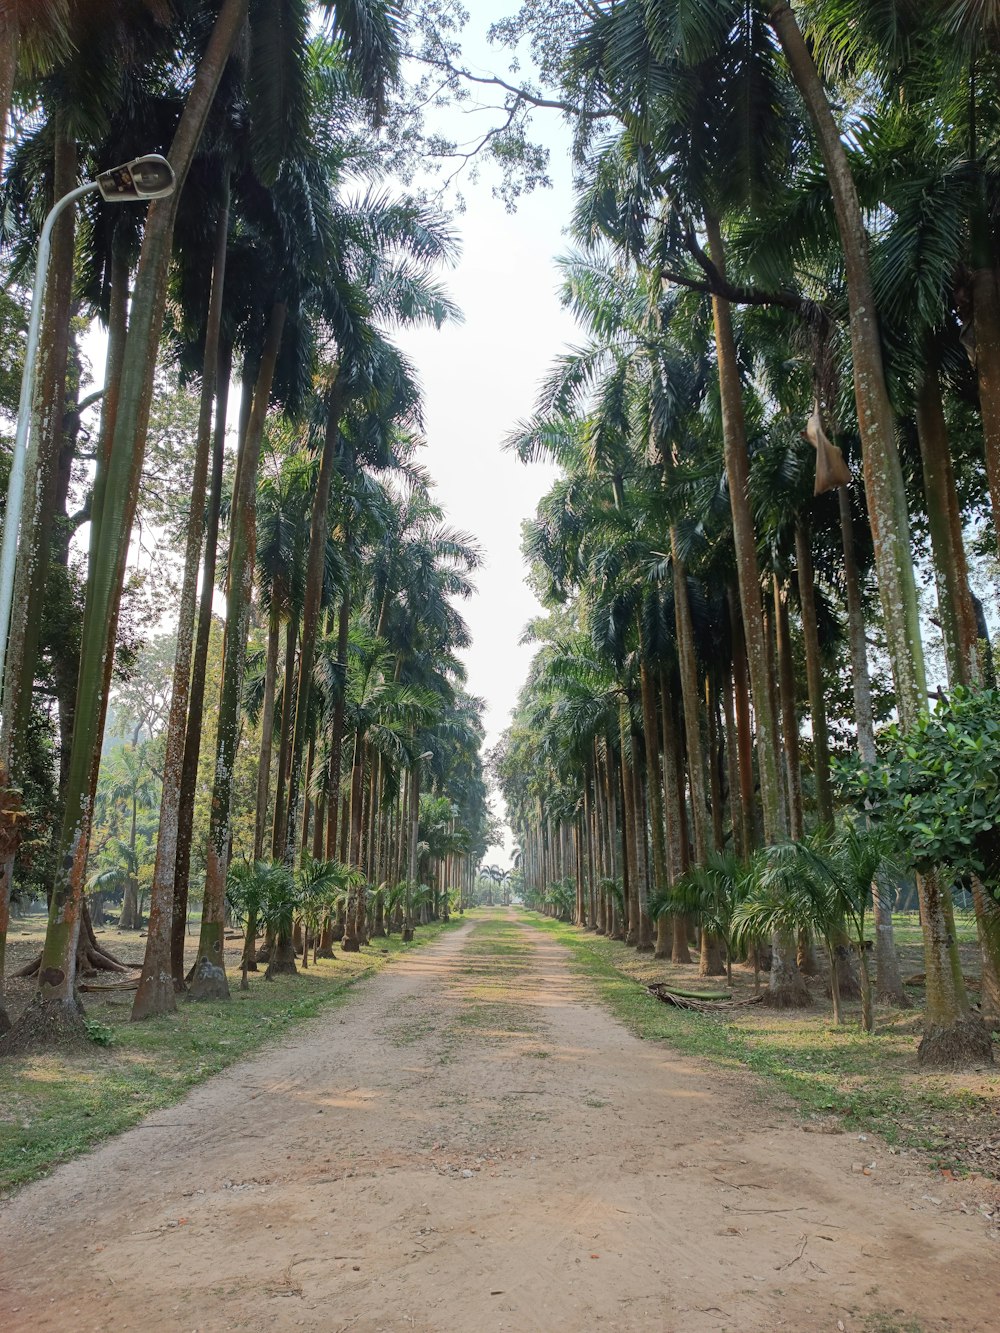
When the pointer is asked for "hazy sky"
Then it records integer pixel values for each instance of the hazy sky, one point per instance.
(481, 377)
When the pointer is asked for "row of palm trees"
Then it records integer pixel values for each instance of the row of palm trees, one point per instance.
(786, 269)
(494, 880)
(280, 264)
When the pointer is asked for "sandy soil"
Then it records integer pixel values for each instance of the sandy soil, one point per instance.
(472, 1143)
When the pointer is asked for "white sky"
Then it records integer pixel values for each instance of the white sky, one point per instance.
(479, 379)
(482, 377)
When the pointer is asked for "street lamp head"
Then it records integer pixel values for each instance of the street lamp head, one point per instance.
(427, 754)
(147, 177)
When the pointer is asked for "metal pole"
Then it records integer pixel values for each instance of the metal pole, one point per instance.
(15, 486)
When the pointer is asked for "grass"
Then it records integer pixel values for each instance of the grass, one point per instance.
(880, 1323)
(492, 962)
(906, 928)
(55, 1106)
(833, 1074)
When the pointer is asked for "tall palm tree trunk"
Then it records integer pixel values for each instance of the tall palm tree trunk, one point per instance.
(351, 942)
(600, 841)
(644, 926)
(654, 779)
(630, 845)
(789, 713)
(209, 981)
(958, 621)
(889, 978)
(307, 802)
(745, 539)
(691, 704)
(38, 511)
(744, 729)
(319, 827)
(814, 671)
(710, 964)
(266, 730)
(42, 462)
(589, 849)
(279, 826)
(732, 763)
(319, 530)
(986, 323)
(413, 831)
(676, 947)
(785, 986)
(337, 724)
(622, 824)
(199, 667)
(715, 760)
(944, 518)
(156, 988)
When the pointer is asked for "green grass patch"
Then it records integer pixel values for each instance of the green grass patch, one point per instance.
(882, 1323)
(500, 940)
(55, 1106)
(906, 928)
(493, 960)
(868, 1082)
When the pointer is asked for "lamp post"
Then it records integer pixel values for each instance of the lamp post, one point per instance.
(148, 177)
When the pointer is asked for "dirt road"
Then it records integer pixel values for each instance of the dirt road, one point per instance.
(472, 1143)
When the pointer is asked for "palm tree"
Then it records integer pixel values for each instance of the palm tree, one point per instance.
(369, 370)
(247, 889)
(156, 986)
(209, 980)
(712, 893)
(381, 716)
(115, 497)
(947, 1016)
(282, 535)
(130, 781)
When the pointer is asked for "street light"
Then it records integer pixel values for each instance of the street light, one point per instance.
(147, 177)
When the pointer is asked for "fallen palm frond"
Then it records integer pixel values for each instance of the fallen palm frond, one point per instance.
(920, 979)
(702, 1002)
(127, 983)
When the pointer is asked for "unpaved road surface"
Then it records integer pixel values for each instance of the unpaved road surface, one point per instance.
(472, 1143)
